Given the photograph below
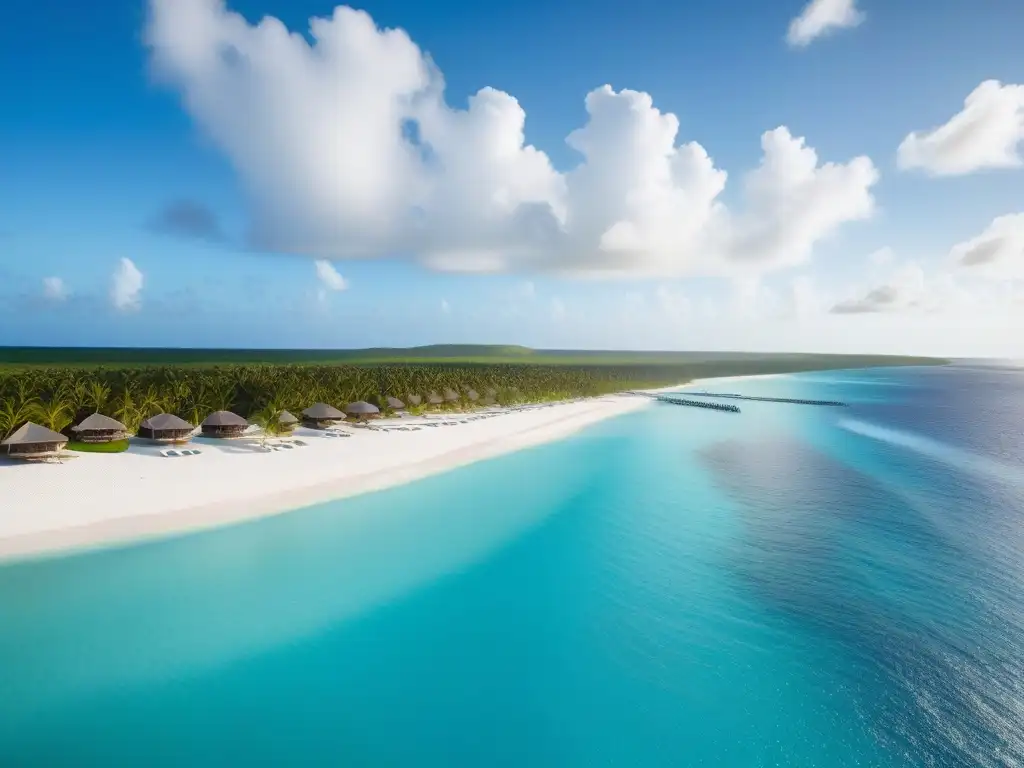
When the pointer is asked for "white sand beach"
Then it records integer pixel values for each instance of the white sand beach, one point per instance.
(94, 499)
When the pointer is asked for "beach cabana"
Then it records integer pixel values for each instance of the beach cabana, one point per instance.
(394, 403)
(34, 442)
(362, 409)
(322, 416)
(100, 429)
(224, 424)
(166, 428)
(286, 421)
(435, 399)
(451, 395)
(414, 399)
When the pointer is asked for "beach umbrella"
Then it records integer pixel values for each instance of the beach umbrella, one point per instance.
(414, 399)
(435, 399)
(395, 403)
(451, 395)
(286, 418)
(472, 394)
(361, 408)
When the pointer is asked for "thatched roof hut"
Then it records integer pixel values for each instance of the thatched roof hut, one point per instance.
(394, 403)
(224, 424)
(321, 416)
(362, 409)
(434, 399)
(414, 399)
(32, 441)
(451, 395)
(98, 428)
(166, 428)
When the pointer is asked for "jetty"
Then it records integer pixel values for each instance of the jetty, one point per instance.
(795, 401)
(671, 400)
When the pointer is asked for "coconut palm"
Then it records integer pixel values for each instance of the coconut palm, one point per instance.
(12, 415)
(98, 394)
(55, 414)
(269, 421)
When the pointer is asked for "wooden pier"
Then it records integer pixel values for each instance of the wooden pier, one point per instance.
(731, 396)
(724, 407)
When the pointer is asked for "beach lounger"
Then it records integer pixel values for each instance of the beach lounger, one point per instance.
(169, 454)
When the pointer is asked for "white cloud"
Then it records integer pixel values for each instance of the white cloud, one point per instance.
(903, 289)
(908, 286)
(445, 306)
(881, 258)
(998, 252)
(987, 133)
(804, 298)
(820, 17)
(329, 277)
(126, 286)
(350, 150)
(54, 289)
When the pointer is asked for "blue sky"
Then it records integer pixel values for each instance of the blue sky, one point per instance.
(116, 149)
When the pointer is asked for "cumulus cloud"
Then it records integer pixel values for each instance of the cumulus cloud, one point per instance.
(997, 252)
(126, 286)
(986, 133)
(910, 287)
(349, 149)
(54, 289)
(329, 277)
(188, 219)
(820, 17)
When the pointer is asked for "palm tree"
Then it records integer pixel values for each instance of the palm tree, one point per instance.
(12, 416)
(54, 414)
(151, 403)
(98, 395)
(128, 413)
(269, 420)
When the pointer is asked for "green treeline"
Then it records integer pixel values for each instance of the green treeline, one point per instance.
(57, 397)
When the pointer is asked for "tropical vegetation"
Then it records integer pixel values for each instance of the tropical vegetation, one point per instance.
(58, 396)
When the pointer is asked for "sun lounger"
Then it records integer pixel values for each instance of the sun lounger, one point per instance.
(169, 454)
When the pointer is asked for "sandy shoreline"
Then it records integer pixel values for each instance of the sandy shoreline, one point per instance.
(98, 500)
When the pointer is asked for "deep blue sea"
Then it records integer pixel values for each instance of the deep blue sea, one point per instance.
(789, 586)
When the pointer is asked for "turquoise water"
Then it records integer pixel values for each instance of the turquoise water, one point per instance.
(789, 586)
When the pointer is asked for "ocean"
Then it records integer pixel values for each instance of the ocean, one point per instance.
(788, 586)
